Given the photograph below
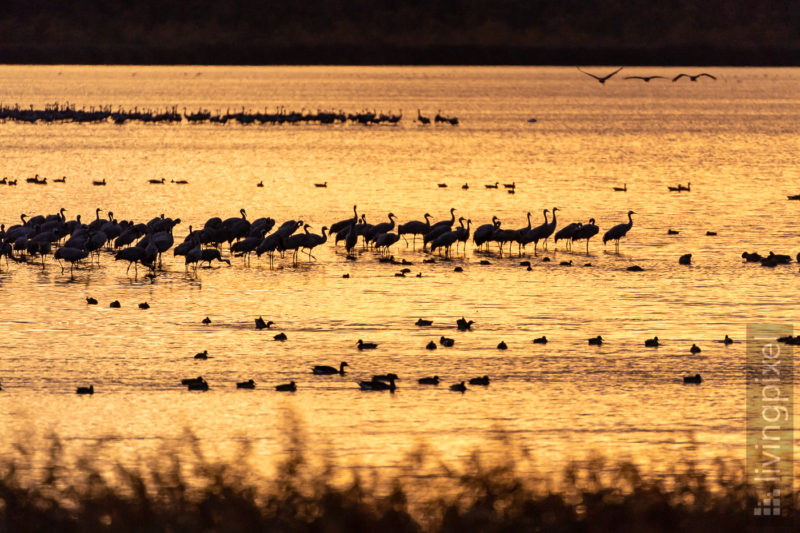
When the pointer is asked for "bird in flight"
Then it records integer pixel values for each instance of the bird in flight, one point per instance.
(693, 78)
(598, 78)
(646, 79)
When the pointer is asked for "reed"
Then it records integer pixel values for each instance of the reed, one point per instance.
(172, 492)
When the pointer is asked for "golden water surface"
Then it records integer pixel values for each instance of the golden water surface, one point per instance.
(735, 139)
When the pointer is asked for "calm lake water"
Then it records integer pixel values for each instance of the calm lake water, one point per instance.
(735, 139)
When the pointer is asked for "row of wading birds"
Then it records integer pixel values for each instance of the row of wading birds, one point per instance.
(73, 241)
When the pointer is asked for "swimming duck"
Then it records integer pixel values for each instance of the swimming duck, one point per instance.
(464, 325)
(366, 345)
(260, 324)
(187, 381)
(422, 322)
(201, 355)
(385, 377)
(652, 343)
(322, 370)
(695, 349)
(502, 346)
(458, 387)
(377, 385)
(201, 385)
(727, 340)
(429, 381)
(286, 387)
(540, 340)
(144, 305)
(484, 380)
(206, 321)
(596, 341)
(430, 346)
(249, 384)
(85, 390)
(280, 337)
(91, 301)
(115, 304)
(693, 379)
(444, 341)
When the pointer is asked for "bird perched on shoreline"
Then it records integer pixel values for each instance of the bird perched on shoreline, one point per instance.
(601, 79)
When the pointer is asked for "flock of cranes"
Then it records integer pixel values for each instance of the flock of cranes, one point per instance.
(58, 112)
(646, 79)
(143, 243)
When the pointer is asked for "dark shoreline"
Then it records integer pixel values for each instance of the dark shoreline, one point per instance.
(52, 54)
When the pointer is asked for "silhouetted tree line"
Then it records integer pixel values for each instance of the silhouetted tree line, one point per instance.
(401, 31)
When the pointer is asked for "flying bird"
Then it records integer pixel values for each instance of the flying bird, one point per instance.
(645, 79)
(693, 78)
(599, 78)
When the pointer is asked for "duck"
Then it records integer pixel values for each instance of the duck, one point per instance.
(485, 262)
(727, 340)
(442, 185)
(540, 340)
(115, 304)
(206, 321)
(385, 377)
(377, 385)
(596, 341)
(566, 263)
(366, 345)
(430, 346)
(711, 234)
(91, 301)
(202, 355)
(465, 186)
(188, 381)
(249, 384)
(696, 379)
(634, 268)
(458, 387)
(85, 390)
(464, 325)
(484, 380)
(260, 324)
(280, 337)
(695, 349)
(322, 370)
(422, 322)
(458, 269)
(502, 346)
(685, 259)
(445, 341)
(672, 232)
(429, 381)
(286, 387)
(754, 257)
(144, 305)
(201, 385)
(652, 343)
(260, 184)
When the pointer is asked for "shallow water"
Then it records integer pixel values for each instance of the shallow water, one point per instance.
(735, 140)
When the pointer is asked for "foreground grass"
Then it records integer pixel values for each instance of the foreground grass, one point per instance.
(173, 493)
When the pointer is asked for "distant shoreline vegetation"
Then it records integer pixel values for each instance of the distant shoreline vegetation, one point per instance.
(358, 55)
(412, 32)
(181, 490)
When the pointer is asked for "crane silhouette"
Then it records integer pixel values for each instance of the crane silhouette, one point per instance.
(693, 77)
(617, 232)
(645, 79)
(601, 79)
